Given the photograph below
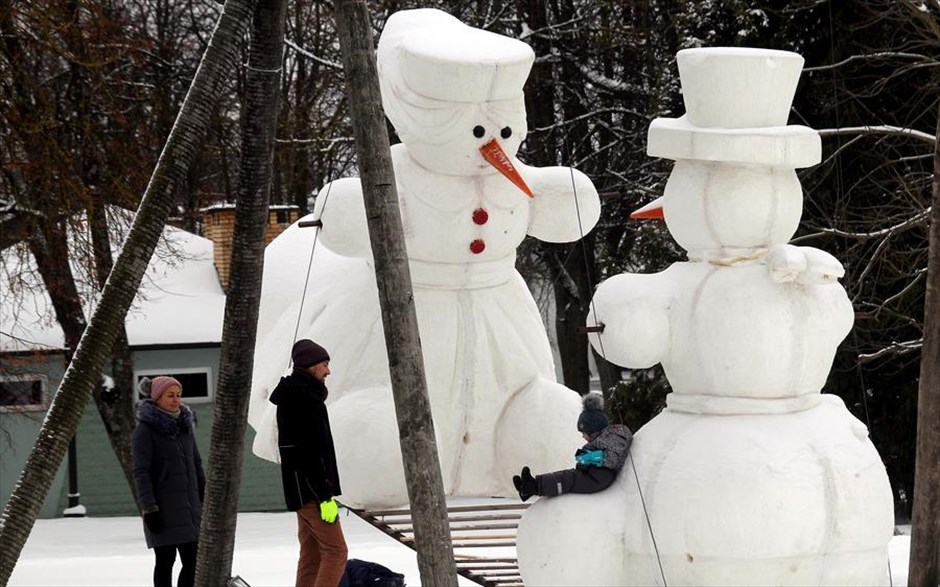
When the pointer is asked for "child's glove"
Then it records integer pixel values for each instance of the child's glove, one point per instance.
(594, 458)
(328, 511)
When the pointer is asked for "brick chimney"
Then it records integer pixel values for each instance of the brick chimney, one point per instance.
(219, 227)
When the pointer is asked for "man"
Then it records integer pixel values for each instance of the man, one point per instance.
(308, 466)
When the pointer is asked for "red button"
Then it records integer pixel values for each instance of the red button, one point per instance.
(477, 246)
(480, 216)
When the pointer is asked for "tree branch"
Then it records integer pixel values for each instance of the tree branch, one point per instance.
(879, 130)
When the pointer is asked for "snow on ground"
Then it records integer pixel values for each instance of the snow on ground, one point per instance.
(111, 551)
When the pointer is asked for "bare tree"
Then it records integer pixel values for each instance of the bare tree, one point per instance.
(315, 141)
(71, 102)
(259, 121)
(924, 568)
(93, 350)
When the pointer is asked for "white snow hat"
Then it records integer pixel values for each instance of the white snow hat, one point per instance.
(438, 57)
(738, 87)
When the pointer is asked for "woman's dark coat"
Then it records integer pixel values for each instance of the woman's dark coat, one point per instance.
(168, 473)
(305, 443)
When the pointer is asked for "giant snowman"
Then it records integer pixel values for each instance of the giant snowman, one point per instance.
(750, 476)
(455, 97)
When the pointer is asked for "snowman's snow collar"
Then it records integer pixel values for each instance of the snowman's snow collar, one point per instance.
(729, 257)
(719, 405)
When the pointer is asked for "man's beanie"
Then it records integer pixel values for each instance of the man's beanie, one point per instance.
(593, 419)
(161, 384)
(307, 353)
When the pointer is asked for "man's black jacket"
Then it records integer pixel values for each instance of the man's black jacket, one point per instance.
(308, 460)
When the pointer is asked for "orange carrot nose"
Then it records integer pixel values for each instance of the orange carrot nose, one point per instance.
(496, 157)
(653, 210)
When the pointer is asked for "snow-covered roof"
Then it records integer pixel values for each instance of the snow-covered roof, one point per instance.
(231, 206)
(179, 302)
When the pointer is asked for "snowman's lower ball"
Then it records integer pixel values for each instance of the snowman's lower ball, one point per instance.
(787, 499)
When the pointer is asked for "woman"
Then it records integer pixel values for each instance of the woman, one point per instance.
(170, 480)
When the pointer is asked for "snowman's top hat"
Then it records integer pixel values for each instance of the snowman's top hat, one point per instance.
(738, 87)
(435, 56)
(737, 100)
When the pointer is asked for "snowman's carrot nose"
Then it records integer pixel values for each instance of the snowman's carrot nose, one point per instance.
(652, 210)
(496, 157)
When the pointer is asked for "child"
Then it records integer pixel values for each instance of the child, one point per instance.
(598, 461)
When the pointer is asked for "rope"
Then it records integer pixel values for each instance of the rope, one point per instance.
(587, 276)
(313, 248)
(648, 523)
(584, 253)
(840, 190)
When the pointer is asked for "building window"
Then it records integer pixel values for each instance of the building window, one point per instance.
(197, 383)
(283, 216)
(22, 393)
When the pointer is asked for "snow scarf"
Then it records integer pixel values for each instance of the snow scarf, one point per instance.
(164, 422)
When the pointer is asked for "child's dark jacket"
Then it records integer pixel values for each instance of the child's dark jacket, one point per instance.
(615, 441)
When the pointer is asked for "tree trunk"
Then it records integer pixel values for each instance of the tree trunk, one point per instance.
(48, 243)
(85, 369)
(572, 345)
(566, 262)
(924, 570)
(259, 125)
(115, 404)
(608, 373)
(406, 365)
(570, 307)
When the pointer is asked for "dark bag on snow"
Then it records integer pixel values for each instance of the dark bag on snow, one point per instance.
(365, 574)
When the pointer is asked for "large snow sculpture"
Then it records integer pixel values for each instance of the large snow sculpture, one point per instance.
(750, 476)
(454, 94)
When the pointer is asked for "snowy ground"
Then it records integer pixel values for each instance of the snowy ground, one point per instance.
(111, 551)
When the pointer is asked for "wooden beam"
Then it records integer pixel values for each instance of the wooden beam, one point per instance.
(396, 297)
(480, 518)
(450, 510)
(473, 537)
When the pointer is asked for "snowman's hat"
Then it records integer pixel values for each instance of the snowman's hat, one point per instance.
(737, 101)
(433, 55)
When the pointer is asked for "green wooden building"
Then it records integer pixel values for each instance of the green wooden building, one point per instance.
(174, 328)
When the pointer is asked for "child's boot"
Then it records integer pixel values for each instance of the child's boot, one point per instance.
(525, 484)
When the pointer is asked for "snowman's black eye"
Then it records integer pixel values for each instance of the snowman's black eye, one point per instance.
(506, 132)
(479, 131)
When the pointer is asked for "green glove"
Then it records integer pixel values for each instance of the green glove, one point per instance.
(328, 511)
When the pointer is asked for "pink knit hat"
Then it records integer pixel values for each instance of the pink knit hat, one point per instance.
(161, 384)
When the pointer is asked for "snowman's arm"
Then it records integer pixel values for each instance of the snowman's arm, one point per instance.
(805, 265)
(634, 310)
(341, 208)
(565, 205)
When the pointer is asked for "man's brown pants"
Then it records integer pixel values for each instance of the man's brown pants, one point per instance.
(322, 549)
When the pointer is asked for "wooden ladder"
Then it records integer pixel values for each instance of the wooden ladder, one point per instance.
(490, 528)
